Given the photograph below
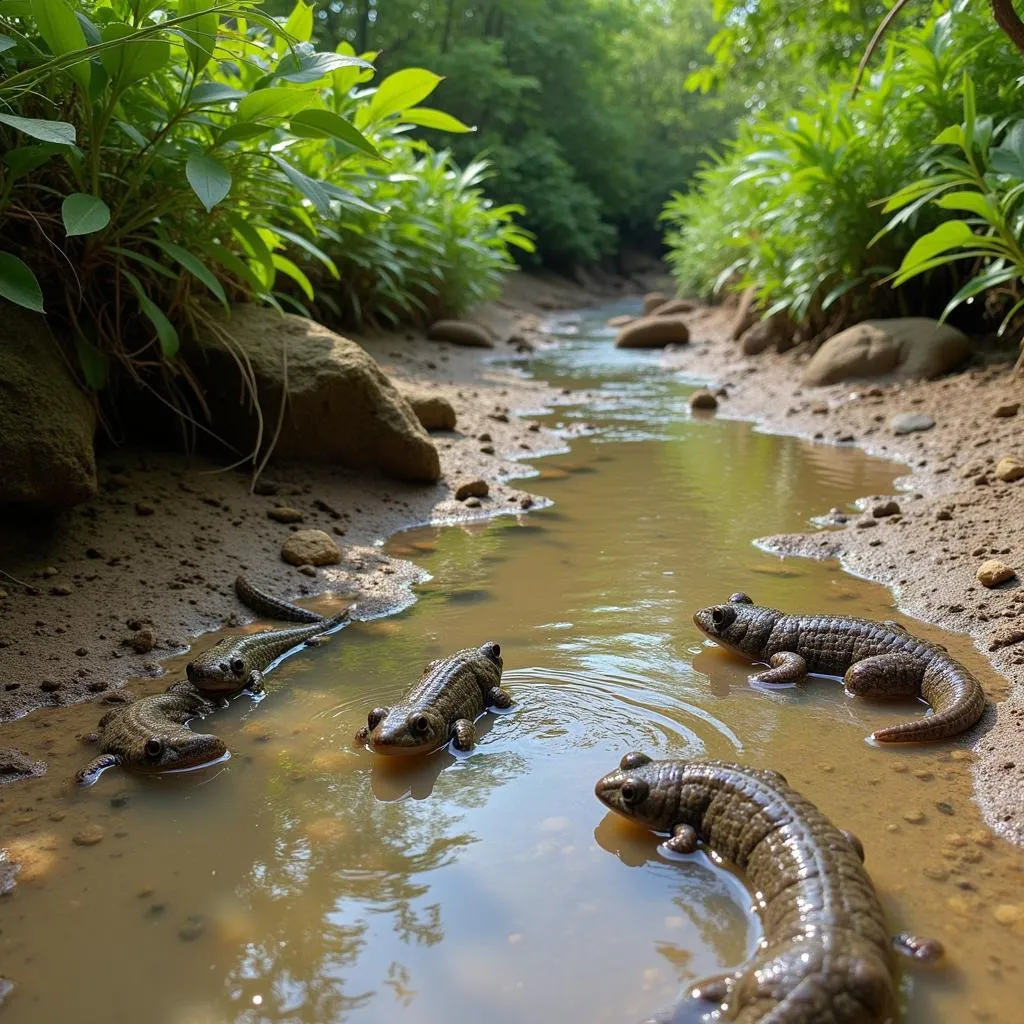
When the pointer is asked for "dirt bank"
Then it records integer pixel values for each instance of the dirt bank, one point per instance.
(152, 560)
(954, 513)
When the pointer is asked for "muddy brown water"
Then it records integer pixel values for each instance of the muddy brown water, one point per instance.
(303, 881)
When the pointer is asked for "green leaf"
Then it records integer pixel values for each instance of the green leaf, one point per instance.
(84, 214)
(316, 123)
(7, 43)
(970, 113)
(62, 33)
(92, 361)
(1008, 157)
(426, 117)
(950, 235)
(288, 268)
(199, 34)
(208, 93)
(317, 253)
(242, 132)
(133, 59)
(311, 189)
(196, 268)
(60, 133)
(18, 284)
(253, 242)
(134, 134)
(402, 90)
(233, 265)
(145, 260)
(23, 160)
(300, 22)
(165, 332)
(971, 202)
(276, 103)
(951, 136)
(209, 178)
(978, 284)
(311, 67)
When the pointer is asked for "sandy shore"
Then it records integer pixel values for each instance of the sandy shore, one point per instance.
(954, 514)
(134, 576)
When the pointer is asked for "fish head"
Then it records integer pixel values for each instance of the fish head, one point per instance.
(407, 731)
(175, 750)
(637, 790)
(738, 625)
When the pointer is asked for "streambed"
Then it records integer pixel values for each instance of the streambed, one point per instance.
(303, 881)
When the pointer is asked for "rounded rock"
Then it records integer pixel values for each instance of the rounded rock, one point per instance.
(1009, 469)
(285, 514)
(654, 332)
(460, 332)
(703, 401)
(885, 508)
(90, 835)
(993, 572)
(310, 547)
(471, 489)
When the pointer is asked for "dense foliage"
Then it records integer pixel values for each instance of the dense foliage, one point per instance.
(579, 104)
(795, 205)
(157, 155)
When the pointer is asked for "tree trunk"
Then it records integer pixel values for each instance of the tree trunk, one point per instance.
(1009, 21)
(363, 28)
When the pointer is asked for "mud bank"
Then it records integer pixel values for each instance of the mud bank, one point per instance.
(953, 513)
(118, 585)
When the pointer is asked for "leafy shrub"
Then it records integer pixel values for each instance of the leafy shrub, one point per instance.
(156, 154)
(792, 207)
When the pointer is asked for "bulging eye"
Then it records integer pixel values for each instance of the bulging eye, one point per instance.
(420, 725)
(723, 616)
(376, 716)
(740, 598)
(237, 666)
(633, 791)
(635, 759)
(190, 672)
(154, 747)
(495, 651)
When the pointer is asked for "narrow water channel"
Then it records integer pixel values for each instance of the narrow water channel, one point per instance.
(304, 882)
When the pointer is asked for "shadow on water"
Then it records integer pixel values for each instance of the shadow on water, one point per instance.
(305, 882)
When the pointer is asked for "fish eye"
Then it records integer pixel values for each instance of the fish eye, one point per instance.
(237, 666)
(420, 725)
(633, 790)
(376, 716)
(154, 747)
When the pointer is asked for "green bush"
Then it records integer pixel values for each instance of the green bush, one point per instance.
(793, 207)
(158, 154)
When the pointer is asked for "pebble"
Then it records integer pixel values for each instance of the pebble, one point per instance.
(935, 874)
(885, 508)
(944, 515)
(1007, 913)
(471, 489)
(142, 642)
(473, 503)
(914, 817)
(945, 808)
(1006, 409)
(307, 570)
(703, 400)
(526, 502)
(310, 547)
(285, 514)
(487, 449)
(923, 775)
(993, 572)
(910, 422)
(88, 836)
(865, 524)
(61, 590)
(1009, 469)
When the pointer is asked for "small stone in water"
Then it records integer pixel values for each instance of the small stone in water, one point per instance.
(192, 929)
(88, 836)
(1007, 913)
(944, 808)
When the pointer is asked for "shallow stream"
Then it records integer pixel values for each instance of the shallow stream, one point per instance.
(302, 881)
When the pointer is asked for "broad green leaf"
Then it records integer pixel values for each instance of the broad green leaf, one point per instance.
(133, 59)
(300, 22)
(62, 33)
(950, 235)
(426, 117)
(233, 265)
(208, 93)
(255, 246)
(7, 43)
(200, 33)
(951, 136)
(288, 268)
(209, 178)
(242, 132)
(84, 214)
(977, 285)
(23, 160)
(134, 134)
(1008, 157)
(971, 202)
(304, 68)
(165, 332)
(316, 123)
(402, 90)
(60, 133)
(313, 190)
(18, 284)
(92, 361)
(343, 80)
(275, 103)
(195, 267)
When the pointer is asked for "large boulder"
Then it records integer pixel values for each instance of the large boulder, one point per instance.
(777, 331)
(461, 332)
(341, 408)
(906, 348)
(434, 411)
(653, 332)
(46, 421)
